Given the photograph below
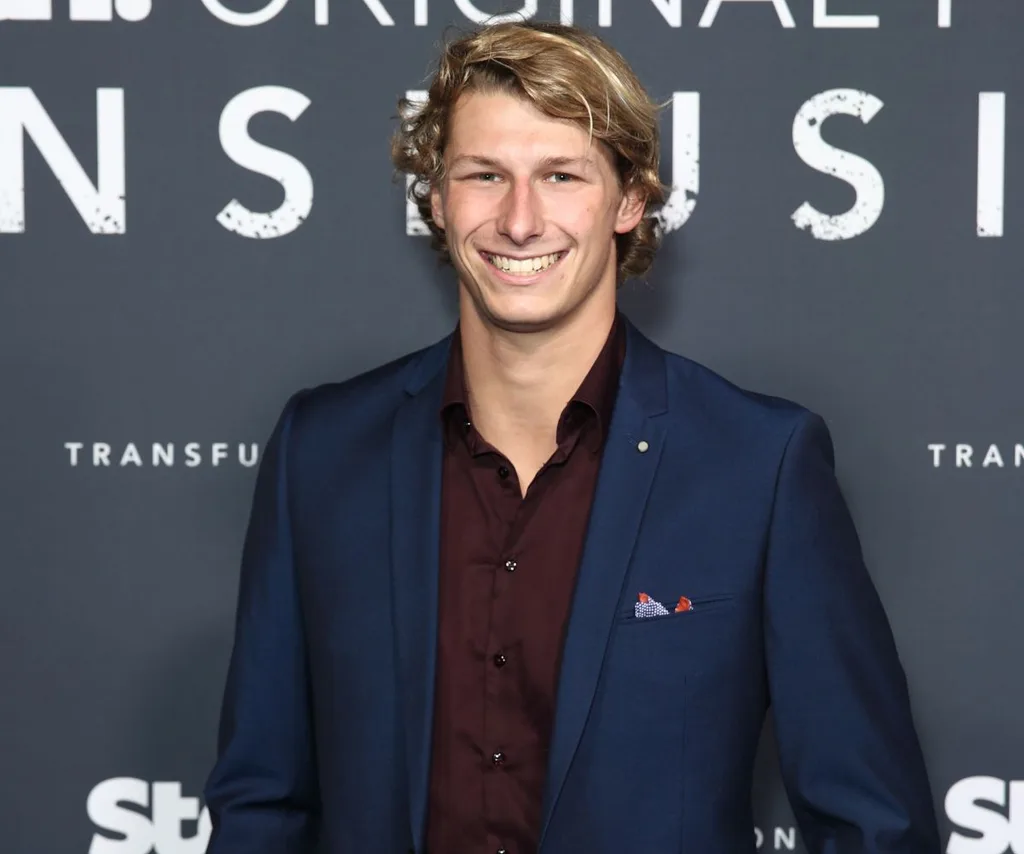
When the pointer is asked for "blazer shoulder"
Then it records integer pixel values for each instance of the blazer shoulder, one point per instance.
(697, 390)
(368, 399)
(384, 385)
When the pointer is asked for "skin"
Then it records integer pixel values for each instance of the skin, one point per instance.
(521, 184)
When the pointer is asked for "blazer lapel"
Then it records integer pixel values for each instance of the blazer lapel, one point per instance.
(627, 471)
(416, 457)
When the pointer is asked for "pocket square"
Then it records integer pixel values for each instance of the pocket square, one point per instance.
(645, 606)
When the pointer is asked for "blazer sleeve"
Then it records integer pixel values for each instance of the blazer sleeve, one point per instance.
(262, 792)
(849, 754)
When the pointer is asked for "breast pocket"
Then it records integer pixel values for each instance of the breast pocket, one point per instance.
(697, 607)
(718, 637)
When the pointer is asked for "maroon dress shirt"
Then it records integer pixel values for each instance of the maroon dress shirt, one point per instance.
(508, 567)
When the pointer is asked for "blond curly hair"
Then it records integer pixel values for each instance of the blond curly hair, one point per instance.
(566, 73)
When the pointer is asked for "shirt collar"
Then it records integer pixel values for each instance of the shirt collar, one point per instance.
(594, 399)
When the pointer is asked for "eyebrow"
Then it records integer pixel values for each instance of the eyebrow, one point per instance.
(543, 163)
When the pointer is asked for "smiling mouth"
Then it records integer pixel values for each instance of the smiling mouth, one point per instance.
(523, 266)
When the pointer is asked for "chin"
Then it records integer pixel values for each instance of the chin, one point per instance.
(521, 313)
(520, 308)
(523, 321)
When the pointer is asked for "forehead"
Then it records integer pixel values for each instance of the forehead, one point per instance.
(500, 126)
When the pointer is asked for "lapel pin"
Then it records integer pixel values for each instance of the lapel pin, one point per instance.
(642, 446)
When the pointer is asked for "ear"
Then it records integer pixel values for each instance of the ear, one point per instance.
(436, 208)
(631, 210)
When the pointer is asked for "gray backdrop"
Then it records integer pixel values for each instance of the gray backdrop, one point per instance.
(172, 270)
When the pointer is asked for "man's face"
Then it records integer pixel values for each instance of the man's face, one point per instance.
(530, 208)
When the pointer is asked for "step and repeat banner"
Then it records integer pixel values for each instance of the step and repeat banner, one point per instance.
(198, 216)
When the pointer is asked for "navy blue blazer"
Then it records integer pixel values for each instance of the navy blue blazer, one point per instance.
(326, 721)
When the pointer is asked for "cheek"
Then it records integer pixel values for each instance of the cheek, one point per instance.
(465, 210)
(578, 220)
(590, 223)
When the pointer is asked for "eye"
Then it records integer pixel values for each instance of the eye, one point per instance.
(562, 177)
(485, 177)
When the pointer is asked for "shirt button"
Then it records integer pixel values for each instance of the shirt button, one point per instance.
(511, 565)
(497, 758)
(503, 472)
(501, 851)
(499, 660)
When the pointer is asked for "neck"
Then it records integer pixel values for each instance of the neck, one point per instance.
(518, 382)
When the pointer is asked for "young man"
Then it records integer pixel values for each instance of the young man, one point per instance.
(534, 587)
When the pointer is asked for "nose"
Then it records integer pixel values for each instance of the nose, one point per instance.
(520, 218)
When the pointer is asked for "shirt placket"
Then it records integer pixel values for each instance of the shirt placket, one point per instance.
(501, 666)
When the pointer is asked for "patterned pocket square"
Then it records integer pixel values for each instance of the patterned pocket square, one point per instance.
(645, 606)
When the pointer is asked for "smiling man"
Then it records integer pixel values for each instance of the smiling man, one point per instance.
(534, 587)
(529, 207)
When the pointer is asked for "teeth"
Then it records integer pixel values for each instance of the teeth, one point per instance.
(525, 266)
